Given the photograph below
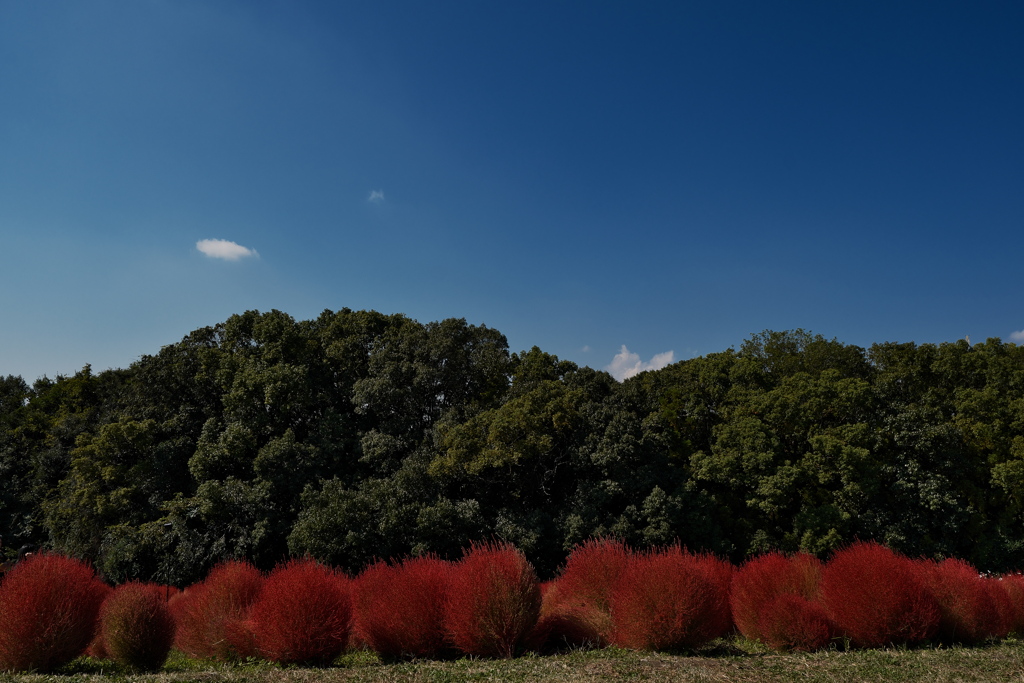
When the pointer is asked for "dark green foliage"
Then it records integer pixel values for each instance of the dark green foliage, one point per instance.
(357, 436)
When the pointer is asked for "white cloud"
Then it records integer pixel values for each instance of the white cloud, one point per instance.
(224, 249)
(376, 196)
(627, 364)
(585, 349)
(1017, 337)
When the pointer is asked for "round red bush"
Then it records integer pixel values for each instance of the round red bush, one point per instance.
(493, 601)
(670, 599)
(398, 609)
(1002, 613)
(877, 597)
(576, 608)
(303, 614)
(210, 616)
(591, 572)
(48, 609)
(964, 603)
(566, 623)
(137, 627)
(761, 580)
(792, 622)
(1013, 586)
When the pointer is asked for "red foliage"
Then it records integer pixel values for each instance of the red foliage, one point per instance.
(965, 605)
(178, 604)
(303, 614)
(565, 623)
(877, 597)
(493, 601)
(576, 609)
(1013, 586)
(210, 616)
(1002, 613)
(163, 591)
(398, 609)
(137, 627)
(97, 647)
(761, 580)
(48, 609)
(671, 598)
(792, 622)
(592, 570)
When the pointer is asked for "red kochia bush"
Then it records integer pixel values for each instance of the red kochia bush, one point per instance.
(792, 622)
(967, 612)
(398, 609)
(671, 598)
(566, 623)
(303, 614)
(211, 615)
(1013, 586)
(493, 601)
(1002, 614)
(576, 608)
(48, 609)
(877, 597)
(592, 570)
(136, 627)
(97, 649)
(775, 599)
(761, 581)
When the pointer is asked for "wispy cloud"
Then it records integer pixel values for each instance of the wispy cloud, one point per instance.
(1017, 337)
(376, 196)
(627, 364)
(224, 249)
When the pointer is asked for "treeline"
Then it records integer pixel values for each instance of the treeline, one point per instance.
(360, 435)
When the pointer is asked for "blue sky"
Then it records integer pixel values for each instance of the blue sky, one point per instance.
(583, 176)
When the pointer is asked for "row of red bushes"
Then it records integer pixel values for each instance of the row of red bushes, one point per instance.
(491, 604)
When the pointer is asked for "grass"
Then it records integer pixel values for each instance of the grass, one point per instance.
(732, 659)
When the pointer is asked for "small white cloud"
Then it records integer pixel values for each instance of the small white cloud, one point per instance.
(585, 349)
(376, 196)
(627, 364)
(224, 249)
(1017, 337)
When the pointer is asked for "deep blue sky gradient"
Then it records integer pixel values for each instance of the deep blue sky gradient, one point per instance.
(579, 175)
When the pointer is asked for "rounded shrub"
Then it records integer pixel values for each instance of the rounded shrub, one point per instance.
(1002, 611)
(48, 610)
(792, 622)
(211, 616)
(398, 609)
(303, 614)
(877, 597)
(580, 604)
(1013, 586)
(493, 601)
(592, 570)
(965, 606)
(760, 581)
(97, 649)
(670, 599)
(136, 626)
(576, 608)
(567, 623)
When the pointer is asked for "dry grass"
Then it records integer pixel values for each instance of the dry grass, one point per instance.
(726, 660)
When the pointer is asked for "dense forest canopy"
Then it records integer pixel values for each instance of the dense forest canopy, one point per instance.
(360, 435)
